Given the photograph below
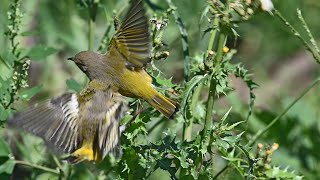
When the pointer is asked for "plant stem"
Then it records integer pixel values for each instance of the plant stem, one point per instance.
(213, 83)
(91, 34)
(213, 35)
(210, 103)
(313, 51)
(37, 167)
(184, 39)
(57, 162)
(304, 24)
(212, 88)
(276, 119)
(221, 44)
(92, 18)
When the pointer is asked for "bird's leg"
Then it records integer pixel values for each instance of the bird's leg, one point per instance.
(135, 114)
(137, 111)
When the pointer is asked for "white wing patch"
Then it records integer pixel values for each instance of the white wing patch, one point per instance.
(68, 126)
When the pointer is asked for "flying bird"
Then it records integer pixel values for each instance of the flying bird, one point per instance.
(86, 125)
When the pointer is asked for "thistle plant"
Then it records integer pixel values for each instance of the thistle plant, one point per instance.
(204, 140)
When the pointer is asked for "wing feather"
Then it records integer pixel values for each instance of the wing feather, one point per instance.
(56, 121)
(132, 39)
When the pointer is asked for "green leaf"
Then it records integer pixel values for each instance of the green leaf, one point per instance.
(27, 94)
(200, 111)
(8, 58)
(74, 85)
(225, 116)
(276, 172)
(222, 144)
(164, 82)
(4, 114)
(234, 125)
(4, 148)
(7, 167)
(40, 52)
(183, 162)
(29, 33)
(187, 91)
(48, 176)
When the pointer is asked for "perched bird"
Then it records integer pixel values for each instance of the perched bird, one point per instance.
(86, 125)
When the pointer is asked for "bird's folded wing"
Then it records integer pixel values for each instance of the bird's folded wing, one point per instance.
(56, 121)
(132, 39)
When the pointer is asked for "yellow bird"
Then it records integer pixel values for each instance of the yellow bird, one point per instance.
(123, 66)
(86, 125)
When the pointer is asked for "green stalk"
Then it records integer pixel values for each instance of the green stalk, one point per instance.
(313, 51)
(38, 167)
(184, 39)
(210, 103)
(275, 120)
(305, 26)
(91, 35)
(213, 83)
(92, 19)
(213, 35)
(212, 87)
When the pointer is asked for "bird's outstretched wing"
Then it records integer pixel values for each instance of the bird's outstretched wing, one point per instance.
(132, 39)
(56, 121)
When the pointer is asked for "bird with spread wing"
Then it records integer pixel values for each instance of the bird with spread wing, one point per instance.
(86, 125)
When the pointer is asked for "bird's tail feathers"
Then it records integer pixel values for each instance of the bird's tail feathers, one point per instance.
(163, 104)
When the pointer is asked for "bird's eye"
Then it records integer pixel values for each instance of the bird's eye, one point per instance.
(84, 68)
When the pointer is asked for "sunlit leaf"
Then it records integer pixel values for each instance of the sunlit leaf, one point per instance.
(4, 148)
(27, 94)
(7, 167)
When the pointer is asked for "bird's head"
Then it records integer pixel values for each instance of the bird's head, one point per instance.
(89, 62)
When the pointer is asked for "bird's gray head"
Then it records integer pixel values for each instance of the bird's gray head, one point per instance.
(89, 62)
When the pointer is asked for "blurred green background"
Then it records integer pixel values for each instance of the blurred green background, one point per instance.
(280, 64)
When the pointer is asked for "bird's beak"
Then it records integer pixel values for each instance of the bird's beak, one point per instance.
(71, 58)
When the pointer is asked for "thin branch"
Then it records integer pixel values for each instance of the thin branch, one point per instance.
(275, 120)
(93, 6)
(298, 35)
(54, 171)
(313, 42)
(184, 39)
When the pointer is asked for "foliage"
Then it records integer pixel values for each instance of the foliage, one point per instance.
(203, 140)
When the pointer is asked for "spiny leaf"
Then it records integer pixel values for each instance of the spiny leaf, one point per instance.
(225, 116)
(188, 91)
(164, 82)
